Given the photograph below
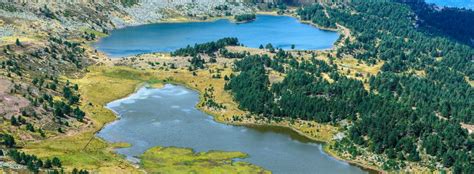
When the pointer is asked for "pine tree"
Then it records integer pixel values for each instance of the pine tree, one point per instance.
(56, 162)
(14, 121)
(8, 140)
(48, 164)
(30, 127)
(18, 43)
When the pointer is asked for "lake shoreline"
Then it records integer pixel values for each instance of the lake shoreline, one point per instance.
(287, 129)
(323, 143)
(267, 28)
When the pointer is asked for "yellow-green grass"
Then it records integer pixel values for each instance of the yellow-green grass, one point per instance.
(22, 39)
(182, 160)
(470, 81)
(253, 51)
(104, 84)
(348, 66)
(351, 67)
(82, 149)
(360, 67)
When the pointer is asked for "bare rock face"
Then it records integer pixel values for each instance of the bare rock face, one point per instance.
(148, 11)
(113, 14)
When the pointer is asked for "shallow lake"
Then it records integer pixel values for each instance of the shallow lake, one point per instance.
(281, 31)
(168, 117)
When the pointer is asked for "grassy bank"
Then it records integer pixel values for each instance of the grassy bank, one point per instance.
(84, 150)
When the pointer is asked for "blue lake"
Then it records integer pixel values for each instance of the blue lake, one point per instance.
(453, 3)
(281, 31)
(168, 117)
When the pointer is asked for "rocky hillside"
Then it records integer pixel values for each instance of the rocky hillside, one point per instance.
(42, 42)
(46, 42)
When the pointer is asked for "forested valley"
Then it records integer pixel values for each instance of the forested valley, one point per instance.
(410, 113)
(455, 23)
(412, 110)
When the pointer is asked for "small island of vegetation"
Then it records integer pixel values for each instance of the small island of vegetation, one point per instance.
(245, 18)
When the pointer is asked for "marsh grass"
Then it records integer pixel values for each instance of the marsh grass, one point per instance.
(184, 160)
(83, 149)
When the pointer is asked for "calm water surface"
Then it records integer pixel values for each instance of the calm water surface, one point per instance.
(454, 3)
(168, 117)
(281, 31)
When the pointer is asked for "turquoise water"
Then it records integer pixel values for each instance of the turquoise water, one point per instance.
(168, 117)
(281, 31)
(453, 3)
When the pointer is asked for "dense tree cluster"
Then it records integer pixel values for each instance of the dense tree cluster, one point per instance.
(245, 17)
(8, 7)
(70, 93)
(197, 62)
(48, 12)
(453, 22)
(228, 54)
(317, 15)
(393, 126)
(60, 109)
(8, 140)
(302, 94)
(71, 53)
(380, 37)
(128, 3)
(388, 33)
(206, 48)
(403, 115)
(250, 86)
(33, 163)
(77, 171)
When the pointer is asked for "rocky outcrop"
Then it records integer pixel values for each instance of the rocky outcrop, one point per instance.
(156, 10)
(113, 14)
